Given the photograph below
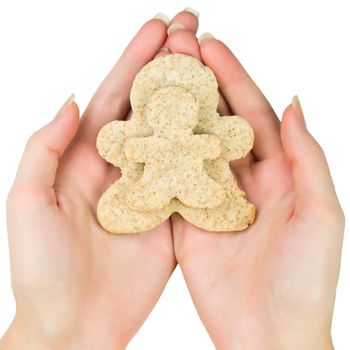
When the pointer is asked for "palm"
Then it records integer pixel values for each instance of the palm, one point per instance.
(267, 271)
(265, 287)
(107, 262)
(77, 261)
(91, 284)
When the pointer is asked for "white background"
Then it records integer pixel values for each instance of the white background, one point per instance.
(49, 49)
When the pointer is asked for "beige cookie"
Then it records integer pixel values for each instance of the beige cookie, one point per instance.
(235, 213)
(119, 143)
(173, 155)
(171, 70)
(114, 214)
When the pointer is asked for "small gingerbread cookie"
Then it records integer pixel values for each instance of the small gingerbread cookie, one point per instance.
(174, 153)
(114, 214)
(173, 156)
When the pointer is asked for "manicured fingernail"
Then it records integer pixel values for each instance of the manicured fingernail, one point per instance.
(204, 37)
(69, 100)
(298, 110)
(163, 51)
(193, 11)
(163, 17)
(175, 26)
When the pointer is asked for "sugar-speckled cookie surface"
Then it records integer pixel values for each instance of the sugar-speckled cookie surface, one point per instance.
(196, 181)
(235, 213)
(173, 155)
(114, 214)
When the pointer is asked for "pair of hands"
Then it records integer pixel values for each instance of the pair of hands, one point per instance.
(271, 286)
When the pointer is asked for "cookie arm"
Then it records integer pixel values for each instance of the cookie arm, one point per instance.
(206, 146)
(137, 149)
(110, 141)
(236, 135)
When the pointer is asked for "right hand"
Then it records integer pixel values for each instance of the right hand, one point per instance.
(75, 285)
(271, 286)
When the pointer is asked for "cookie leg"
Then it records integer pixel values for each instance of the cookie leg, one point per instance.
(149, 195)
(235, 214)
(201, 192)
(116, 217)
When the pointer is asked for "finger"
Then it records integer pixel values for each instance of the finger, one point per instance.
(185, 41)
(243, 96)
(111, 100)
(312, 179)
(187, 19)
(163, 51)
(240, 165)
(182, 40)
(37, 169)
(223, 107)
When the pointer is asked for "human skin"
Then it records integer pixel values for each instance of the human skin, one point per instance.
(75, 285)
(269, 287)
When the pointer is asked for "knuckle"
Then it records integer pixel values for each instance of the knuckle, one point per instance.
(333, 215)
(24, 197)
(17, 200)
(341, 217)
(12, 198)
(334, 210)
(327, 213)
(318, 148)
(33, 139)
(38, 136)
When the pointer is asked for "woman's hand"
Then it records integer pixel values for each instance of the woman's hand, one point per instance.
(75, 285)
(273, 285)
(269, 287)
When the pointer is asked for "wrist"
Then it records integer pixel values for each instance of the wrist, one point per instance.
(23, 336)
(276, 342)
(15, 339)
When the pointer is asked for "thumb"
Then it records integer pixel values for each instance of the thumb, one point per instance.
(40, 158)
(312, 178)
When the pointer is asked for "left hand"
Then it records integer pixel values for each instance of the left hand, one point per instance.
(271, 286)
(76, 286)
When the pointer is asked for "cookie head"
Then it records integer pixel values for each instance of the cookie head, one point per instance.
(172, 108)
(175, 70)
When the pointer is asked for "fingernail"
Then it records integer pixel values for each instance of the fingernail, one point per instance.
(175, 26)
(298, 110)
(163, 51)
(204, 37)
(69, 100)
(193, 11)
(163, 17)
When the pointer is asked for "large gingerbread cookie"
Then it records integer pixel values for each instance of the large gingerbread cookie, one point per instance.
(174, 153)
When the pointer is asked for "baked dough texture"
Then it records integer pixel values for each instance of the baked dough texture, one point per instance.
(174, 153)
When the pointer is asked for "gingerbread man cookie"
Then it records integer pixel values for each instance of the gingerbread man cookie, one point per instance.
(140, 199)
(173, 156)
